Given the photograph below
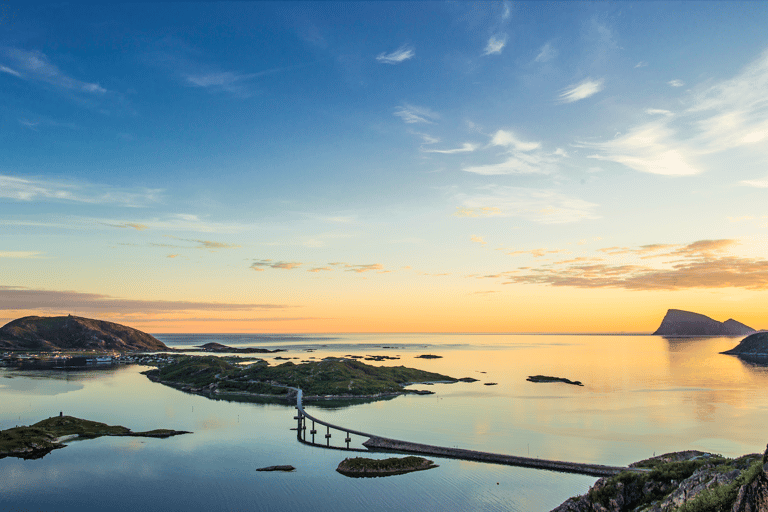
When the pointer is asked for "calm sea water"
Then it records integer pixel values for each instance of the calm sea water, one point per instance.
(642, 395)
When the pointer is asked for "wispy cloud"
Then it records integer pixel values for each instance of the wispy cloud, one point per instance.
(134, 225)
(24, 255)
(649, 148)
(22, 298)
(10, 71)
(467, 147)
(260, 265)
(537, 205)
(676, 83)
(524, 157)
(659, 112)
(39, 189)
(701, 264)
(547, 52)
(412, 114)
(759, 183)
(34, 65)
(402, 54)
(496, 43)
(204, 244)
(584, 89)
(641, 64)
(478, 240)
(363, 268)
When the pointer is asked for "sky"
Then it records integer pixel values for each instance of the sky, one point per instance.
(384, 166)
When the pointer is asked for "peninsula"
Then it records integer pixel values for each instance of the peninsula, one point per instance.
(685, 323)
(38, 440)
(69, 333)
(680, 481)
(329, 378)
(754, 346)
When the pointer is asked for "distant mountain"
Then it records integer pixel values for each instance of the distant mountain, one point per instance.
(685, 323)
(74, 333)
(753, 346)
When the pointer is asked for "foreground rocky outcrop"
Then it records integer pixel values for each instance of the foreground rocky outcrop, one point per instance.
(38, 440)
(754, 346)
(38, 333)
(682, 481)
(685, 323)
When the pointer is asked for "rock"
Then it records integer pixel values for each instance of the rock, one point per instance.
(467, 379)
(428, 356)
(277, 468)
(545, 378)
(685, 323)
(753, 346)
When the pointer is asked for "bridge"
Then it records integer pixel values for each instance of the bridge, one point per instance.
(318, 436)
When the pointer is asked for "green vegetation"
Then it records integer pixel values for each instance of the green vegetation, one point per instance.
(329, 377)
(41, 438)
(668, 472)
(360, 466)
(722, 497)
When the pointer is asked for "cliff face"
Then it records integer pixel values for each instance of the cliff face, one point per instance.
(74, 333)
(695, 480)
(685, 323)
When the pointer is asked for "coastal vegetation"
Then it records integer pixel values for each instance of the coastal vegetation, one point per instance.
(35, 441)
(330, 377)
(364, 467)
(689, 481)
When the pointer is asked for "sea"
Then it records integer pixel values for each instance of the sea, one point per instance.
(641, 396)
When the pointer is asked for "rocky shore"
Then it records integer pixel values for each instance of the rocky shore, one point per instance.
(689, 481)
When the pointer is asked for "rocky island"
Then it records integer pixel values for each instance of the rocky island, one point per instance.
(57, 333)
(546, 378)
(363, 467)
(685, 323)
(754, 346)
(689, 481)
(38, 440)
(330, 378)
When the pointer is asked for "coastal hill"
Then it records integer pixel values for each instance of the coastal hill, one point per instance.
(37, 333)
(685, 323)
(753, 346)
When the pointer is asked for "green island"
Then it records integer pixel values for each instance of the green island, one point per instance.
(363, 467)
(545, 378)
(689, 481)
(331, 377)
(36, 441)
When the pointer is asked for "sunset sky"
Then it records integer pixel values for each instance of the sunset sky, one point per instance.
(384, 166)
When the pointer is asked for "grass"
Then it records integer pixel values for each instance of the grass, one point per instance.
(41, 437)
(394, 465)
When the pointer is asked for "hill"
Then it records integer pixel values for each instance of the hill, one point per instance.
(685, 323)
(753, 346)
(38, 333)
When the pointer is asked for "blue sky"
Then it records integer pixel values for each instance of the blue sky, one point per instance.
(321, 166)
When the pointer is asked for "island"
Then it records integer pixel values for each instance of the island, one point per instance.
(219, 348)
(66, 333)
(38, 440)
(545, 378)
(679, 323)
(681, 481)
(753, 347)
(366, 468)
(330, 378)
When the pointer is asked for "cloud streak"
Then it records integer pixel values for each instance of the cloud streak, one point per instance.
(402, 54)
(496, 43)
(37, 189)
(34, 65)
(411, 114)
(26, 299)
(584, 89)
